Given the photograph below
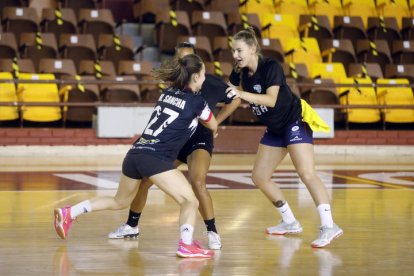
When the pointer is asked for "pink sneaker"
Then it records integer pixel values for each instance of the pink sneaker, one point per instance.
(63, 221)
(193, 251)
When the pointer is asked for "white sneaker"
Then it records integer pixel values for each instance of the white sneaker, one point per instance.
(327, 235)
(214, 241)
(124, 231)
(283, 228)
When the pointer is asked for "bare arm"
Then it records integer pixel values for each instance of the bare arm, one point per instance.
(211, 124)
(227, 110)
(268, 99)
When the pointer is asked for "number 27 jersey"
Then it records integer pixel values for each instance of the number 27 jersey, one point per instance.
(173, 121)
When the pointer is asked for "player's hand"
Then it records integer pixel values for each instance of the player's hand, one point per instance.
(232, 93)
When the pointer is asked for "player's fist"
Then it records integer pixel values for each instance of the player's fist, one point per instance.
(232, 93)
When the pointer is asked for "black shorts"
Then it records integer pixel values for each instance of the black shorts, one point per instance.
(138, 166)
(296, 133)
(199, 140)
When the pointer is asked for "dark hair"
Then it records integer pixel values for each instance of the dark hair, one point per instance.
(249, 37)
(177, 71)
(184, 45)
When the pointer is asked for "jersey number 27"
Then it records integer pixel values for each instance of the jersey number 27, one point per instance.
(171, 116)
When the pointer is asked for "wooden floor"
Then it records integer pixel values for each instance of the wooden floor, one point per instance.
(373, 201)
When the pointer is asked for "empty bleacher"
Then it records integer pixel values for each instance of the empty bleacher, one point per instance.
(322, 45)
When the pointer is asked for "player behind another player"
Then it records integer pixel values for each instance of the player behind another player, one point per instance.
(174, 119)
(261, 82)
(196, 153)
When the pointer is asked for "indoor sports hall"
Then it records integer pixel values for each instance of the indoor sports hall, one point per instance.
(76, 91)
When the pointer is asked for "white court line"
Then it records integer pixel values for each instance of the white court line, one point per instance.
(91, 180)
(56, 202)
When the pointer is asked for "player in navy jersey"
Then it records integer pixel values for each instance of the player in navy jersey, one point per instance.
(197, 154)
(261, 82)
(173, 121)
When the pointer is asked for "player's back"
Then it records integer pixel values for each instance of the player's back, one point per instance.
(174, 119)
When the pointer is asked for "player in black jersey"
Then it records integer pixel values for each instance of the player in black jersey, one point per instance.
(197, 154)
(173, 121)
(261, 82)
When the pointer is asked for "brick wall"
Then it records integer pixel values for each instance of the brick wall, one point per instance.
(230, 139)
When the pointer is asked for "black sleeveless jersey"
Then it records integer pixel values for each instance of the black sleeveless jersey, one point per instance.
(173, 121)
(270, 73)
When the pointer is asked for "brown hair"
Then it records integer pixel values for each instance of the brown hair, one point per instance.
(249, 37)
(177, 71)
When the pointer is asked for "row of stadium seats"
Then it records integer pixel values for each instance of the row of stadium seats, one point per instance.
(24, 19)
(311, 55)
(119, 91)
(77, 47)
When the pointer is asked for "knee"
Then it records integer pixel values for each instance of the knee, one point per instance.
(191, 201)
(307, 175)
(199, 186)
(258, 180)
(120, 204)
(188, 200)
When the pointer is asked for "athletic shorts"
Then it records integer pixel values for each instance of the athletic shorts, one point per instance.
(296, 133)
(199, 140)
(138, 166)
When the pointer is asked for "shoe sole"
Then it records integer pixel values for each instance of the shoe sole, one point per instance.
(131, 236)
(214, 247)
(182, 255)
(59, 223)
(285, 233)
(324, 245)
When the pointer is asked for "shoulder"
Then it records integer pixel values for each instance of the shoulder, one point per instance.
(213, 82)
(213, 78)
(268, 63)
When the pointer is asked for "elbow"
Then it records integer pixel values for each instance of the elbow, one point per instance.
(270, 103)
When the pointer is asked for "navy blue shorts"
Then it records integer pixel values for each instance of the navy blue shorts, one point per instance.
(138, 165)
(297, 133)
(199, 140)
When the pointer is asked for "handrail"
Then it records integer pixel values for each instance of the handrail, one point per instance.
(62, 81)
(140, 104)
(114, 81)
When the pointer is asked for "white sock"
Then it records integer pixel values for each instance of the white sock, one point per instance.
(80, 208)
(326, 215)
(186, 232)
(286, 213)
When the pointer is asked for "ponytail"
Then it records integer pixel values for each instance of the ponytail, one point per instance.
(178, 71)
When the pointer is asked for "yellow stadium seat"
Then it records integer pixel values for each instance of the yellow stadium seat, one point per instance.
(8, 94)
(330, 8)
(293, 7)
(394, 8)
(39, 92)
(303, 50)
(260, 7)
(362, 8)
(335, 71)
(281, 26)
(360, 96)
(396, 96)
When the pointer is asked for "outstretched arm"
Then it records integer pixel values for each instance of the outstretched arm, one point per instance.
(227, 110)
(268, 99)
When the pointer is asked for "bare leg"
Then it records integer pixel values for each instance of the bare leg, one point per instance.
(175, 184)
(127, 190)
(267, 159)
(303, 159)
(140, 199)
(198, 165)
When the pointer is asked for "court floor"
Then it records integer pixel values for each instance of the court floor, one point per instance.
(373, 201)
